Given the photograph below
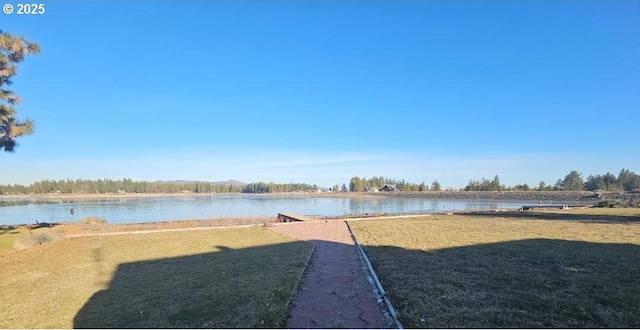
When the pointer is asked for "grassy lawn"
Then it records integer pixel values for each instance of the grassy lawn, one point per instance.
(525, 269)
(229, 278)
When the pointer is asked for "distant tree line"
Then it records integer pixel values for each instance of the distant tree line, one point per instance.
(363, 184)
(485, 185)
(263, 187)
(495, 185)
(108, 186)
(625, 181)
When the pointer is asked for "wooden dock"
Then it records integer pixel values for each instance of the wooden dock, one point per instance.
(292, 217)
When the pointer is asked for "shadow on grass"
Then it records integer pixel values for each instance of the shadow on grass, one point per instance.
(231, 288)
(518, 284)
(587, 218)
(4, 229)
(18, 229)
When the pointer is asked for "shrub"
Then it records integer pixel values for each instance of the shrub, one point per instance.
(609, 203)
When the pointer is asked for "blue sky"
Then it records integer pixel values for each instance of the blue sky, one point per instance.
(321, 91)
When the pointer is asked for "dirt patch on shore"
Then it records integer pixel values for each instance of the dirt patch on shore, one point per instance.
(28, 242)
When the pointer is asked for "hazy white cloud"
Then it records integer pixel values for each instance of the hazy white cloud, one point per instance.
(323, 168)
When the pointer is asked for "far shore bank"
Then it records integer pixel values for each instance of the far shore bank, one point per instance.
(480, 195)
(576, 197)
(463, 195)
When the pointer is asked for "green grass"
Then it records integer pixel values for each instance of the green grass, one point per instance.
(526, 269)
(229, 278)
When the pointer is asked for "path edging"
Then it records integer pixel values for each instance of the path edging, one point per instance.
(297, 286)
(392, 310)
(304, 269)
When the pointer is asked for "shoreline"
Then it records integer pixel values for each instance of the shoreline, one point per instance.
(97, 226)
(426, 194)
(491, 195)
(94, 225)
(474, 195)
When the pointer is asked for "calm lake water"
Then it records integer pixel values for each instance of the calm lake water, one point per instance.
(150, 209)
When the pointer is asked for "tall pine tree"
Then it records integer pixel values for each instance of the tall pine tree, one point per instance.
(12, 51)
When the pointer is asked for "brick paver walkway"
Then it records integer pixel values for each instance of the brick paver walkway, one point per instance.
(335, 292)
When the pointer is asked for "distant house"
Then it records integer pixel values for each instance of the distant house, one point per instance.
(389, 187)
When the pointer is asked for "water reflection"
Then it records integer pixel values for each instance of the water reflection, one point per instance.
(148, 209)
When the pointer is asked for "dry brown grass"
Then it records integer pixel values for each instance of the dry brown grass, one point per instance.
(526, 269)
(228, 277)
